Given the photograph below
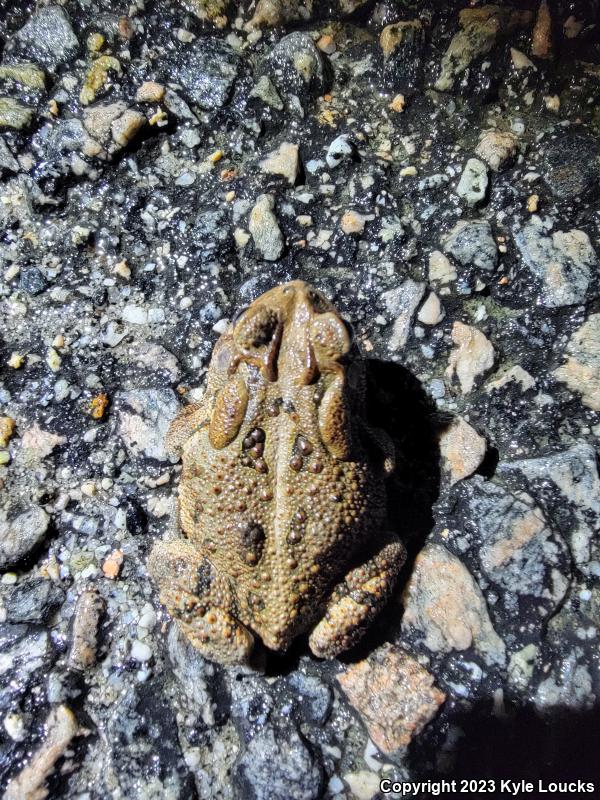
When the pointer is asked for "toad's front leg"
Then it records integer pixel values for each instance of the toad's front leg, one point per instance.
(357, 600)
(200, 600)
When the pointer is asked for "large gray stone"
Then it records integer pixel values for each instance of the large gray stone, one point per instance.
(575, 501)
(206, 70)
(265, 229)
(21, 535)
(48, 37)
(297, 68)
(581, 371)
(563, 262)
(278, 765)
(572, 164)
(402, 303)
(473, 182)
(142, 731)
(32, 600)
(144, 416)
(517, 549)
(472, 244)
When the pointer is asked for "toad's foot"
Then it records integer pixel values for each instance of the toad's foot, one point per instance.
(357, 600)
(201, 601)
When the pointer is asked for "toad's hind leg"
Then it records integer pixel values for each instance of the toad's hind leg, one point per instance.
(357, 600)
(201, 601)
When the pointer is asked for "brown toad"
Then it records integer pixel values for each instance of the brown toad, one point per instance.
(282, 497)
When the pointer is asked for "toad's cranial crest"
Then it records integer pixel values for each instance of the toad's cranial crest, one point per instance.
(282, 498)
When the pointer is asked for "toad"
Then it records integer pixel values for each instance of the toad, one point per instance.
(282, 500)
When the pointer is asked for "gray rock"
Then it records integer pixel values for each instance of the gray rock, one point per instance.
(568, 687)
(264, 228)
(144, 416)
(563, 262)
(32, 600)
(402, 303)
(265, 91)
(252, 703)
(277, 765)
(140, 731)
(26, 651)
(297, 67)
(48, 37)
(472, 244)
(178, 107)
(473, 183)
(581, 371)
(32, 280)
(207, 70)
(21, 535)
(313, 697)
(575, 502)
(190, 668)
(572, 166)
(66, 136)
(152, 356)
(431, 182)
(7, 161)
(518, 551)
(210, 234)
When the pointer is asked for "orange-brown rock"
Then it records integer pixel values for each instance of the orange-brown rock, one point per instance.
(394, 695)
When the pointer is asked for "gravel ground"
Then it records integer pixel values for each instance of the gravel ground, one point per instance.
(435, 170)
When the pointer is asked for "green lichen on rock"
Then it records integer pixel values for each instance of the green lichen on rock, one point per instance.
(480, 30)
(97, 77)
(209, 10)
(25, 74)
(14, 115)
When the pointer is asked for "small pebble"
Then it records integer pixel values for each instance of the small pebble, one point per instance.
(140, 651)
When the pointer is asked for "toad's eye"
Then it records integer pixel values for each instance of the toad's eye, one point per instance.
(257, 329)
(318, 302)
(238, 314)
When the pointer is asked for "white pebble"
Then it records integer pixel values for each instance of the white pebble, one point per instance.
(136, 315)
(338, 150)
(140, 651)
(148, 620)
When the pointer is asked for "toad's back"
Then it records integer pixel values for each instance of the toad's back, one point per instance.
(277, 487)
